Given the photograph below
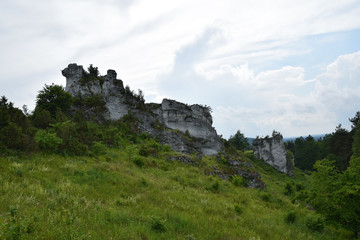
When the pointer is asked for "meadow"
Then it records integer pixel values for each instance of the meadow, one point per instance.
(120, 194)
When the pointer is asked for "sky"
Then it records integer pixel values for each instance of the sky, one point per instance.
(289, 66)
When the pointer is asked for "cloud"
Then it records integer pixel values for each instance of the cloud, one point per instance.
(227, 54)
(257, 103)
(333, 98)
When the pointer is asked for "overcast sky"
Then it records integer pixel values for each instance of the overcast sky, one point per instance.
(292, 66)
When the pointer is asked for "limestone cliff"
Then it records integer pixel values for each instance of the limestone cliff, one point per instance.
(192, 123)
(272, 151)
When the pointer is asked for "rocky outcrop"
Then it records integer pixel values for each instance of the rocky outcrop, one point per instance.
(272, 151)
(186, 128)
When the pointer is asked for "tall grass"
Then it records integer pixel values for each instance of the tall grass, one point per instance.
(114, 196)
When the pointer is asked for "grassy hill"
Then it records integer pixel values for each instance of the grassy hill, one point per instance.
(122, 195)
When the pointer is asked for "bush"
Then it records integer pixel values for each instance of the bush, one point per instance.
(146, 150)
(238, 209)
(12, 137)
(302, 195)
(42, 118)
(98, 148)
(288, 189)
(315, 223)
(139, 162)
(48, 142)
(299, 187)
(52, 98)
(69, 134)
(290, 217)
(158, 224)
(215, 187)
(265, 197)
(239, 181)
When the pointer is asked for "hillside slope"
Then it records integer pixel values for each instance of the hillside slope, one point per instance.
(121, 194)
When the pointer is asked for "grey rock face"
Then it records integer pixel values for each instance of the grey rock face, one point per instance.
(194, 120)
(272, 151)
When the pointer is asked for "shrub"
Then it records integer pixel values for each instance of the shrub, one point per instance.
(139, 161)
(239, 181)
(290, 217)
(158, 224)
(42, 118)
(215, 187)
(299, 187)
(223, 160)
(146, 150)
(238, 209)
(53, 97)
(12, 137)
(288, 189)
(48, 142)
(265, 197)
(166, 148)
(98, 148)
(315, 223)
(302, 195)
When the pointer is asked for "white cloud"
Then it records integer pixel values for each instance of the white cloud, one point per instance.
(334, 98)
(211, 52)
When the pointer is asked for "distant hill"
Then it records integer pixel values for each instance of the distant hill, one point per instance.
(316, 137)
(288, 139)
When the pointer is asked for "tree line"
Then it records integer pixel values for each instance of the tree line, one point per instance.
(336, 147)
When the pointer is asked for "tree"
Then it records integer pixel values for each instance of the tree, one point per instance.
(239, 141)
(356, 142)
(93, 71)
(53, 97)
(307, 152)
(340, 145)
(15, 129)
(336, 194)
(355, 120)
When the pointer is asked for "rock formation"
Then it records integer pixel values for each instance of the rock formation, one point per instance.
(186, 128)
(272, 151)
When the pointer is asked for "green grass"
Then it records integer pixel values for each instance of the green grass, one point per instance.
(121, 195)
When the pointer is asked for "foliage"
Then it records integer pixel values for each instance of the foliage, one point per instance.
(336, 146)
(16, 227)
(337, 194)
(355, 120)
(42, 118)
(315, 223)
(265, 197)
(239, 181)
(98, 148)
(158, 224)
(15, 129)
(288, 189)
(356, 142)
(238, 209)
(91, 75)
(239, 141)
(53, 97)
(69, 135)
(214, 187)
(290, 217)
(340, 145)
(48, 141)
(307, 152)
(139, 161)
